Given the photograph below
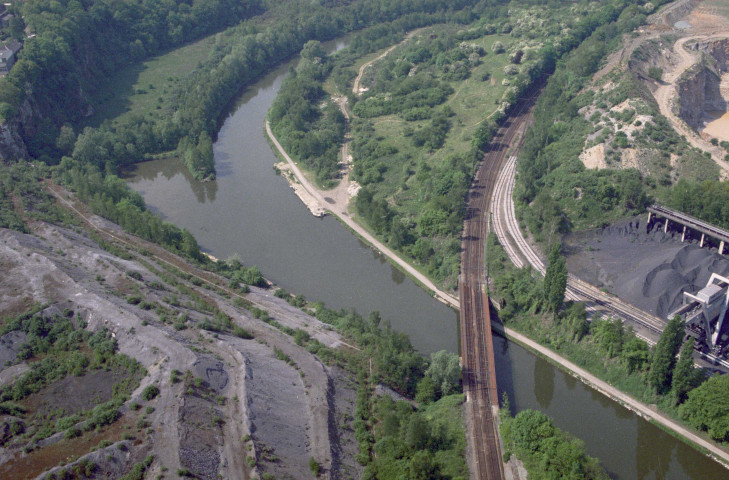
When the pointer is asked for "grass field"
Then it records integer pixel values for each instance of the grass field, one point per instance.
(474, 100)
(146, 88)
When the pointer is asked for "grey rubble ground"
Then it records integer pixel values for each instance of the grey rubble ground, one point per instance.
(648, 269)
(291, 411)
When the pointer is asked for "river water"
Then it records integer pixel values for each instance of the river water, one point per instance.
(252, 212)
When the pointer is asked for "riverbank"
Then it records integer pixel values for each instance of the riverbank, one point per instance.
(712, 450)
(340, 210)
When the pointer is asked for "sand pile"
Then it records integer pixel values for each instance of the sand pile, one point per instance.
(649, 269)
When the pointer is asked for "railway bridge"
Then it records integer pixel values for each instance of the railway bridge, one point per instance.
(477, 352)
(689, 224)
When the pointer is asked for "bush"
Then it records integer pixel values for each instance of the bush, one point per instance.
(242, 333)
(314, 466)
(655, 73)
(150, 392)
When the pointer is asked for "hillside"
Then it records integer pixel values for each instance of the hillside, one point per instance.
(232, 386)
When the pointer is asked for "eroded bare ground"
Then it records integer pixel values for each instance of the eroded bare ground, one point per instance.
(225, 403)
(685, 33)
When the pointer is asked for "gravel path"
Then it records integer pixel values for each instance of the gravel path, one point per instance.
(341, 212)
(719, 454)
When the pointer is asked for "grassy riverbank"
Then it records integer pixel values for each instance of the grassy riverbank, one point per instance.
(603, 348)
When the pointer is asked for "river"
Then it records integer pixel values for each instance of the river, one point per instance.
(252, 212)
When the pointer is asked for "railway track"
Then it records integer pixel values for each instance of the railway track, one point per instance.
(479, 374)
(506, 227)
(521, 253)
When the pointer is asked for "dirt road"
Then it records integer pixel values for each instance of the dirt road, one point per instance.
(666, 95)
(355, 86)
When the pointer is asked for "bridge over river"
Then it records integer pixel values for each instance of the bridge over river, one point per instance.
(479, 374)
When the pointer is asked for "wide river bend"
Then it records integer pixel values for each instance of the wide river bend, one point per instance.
(252, 212)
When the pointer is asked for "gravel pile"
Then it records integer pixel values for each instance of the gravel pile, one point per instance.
(647, 268)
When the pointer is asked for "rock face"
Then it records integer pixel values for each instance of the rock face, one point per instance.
(700, 87)
(12, 146)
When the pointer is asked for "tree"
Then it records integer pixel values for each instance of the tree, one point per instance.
(425, 391)
(313, 50)
(610, 335)
(66, 139)
(707, 407)
(445, 371)
(683, 373)
(664, 356)
(555, 279)
(17, 28)
(636, 354)
(576, 320)
(422, 467)
(417, 435)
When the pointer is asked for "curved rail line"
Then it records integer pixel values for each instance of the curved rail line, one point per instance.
(521, 252)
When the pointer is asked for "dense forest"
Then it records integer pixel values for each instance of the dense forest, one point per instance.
(61, 85)
(77, 44)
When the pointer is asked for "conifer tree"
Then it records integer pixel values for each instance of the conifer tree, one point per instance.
(555, 279)
(664, 356)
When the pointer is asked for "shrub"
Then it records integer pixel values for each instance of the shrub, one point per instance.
(656, 73)
(149, 392)
(314, 466)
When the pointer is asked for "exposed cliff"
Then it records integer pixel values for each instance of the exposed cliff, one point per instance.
(12, 146)
(699, 87)
(698, 90)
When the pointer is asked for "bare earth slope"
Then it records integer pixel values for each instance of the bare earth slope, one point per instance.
(233, 398)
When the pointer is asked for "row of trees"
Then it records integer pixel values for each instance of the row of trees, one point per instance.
(708, 200)
(663, 375)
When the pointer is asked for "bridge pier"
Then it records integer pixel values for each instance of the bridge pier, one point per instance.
(692, 227)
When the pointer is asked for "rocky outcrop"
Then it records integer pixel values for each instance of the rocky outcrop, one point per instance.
(12, 146)
(699, 87)
(672, 13)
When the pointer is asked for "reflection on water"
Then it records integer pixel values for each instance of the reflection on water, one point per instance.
(652, 457)
(397, 275)
(250, 211)
(627, 446)
(167, 169)
(543, 383)
(716, 124)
